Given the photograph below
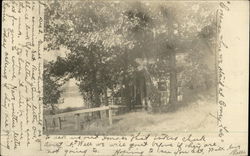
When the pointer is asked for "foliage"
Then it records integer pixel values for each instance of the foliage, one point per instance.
(106, 38)
(51, 92)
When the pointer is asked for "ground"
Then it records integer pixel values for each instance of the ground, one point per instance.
(194, 117)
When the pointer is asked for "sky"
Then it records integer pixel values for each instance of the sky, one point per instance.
(53, 54)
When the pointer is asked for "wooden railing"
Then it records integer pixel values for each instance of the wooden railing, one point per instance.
(77, 113)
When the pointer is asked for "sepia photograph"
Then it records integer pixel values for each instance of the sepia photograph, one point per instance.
(123, 67)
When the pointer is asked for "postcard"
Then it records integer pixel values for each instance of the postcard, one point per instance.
(124, 78)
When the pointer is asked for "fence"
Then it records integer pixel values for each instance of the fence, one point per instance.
(77, 113)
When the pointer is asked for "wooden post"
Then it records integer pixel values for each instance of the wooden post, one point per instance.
(54, 123)
(110, 116)
(149, 105)
(45, 125)
(77, 121)
(60, 123)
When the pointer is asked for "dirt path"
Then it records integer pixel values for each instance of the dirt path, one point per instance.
(188, 119)
(193, 118)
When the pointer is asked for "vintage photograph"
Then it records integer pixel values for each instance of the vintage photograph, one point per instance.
(123, 67)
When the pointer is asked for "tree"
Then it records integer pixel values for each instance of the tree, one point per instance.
(51, 92)
(105, 38)
(183, 31)
(91, 35)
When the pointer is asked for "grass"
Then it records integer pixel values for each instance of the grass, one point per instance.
(193, 117)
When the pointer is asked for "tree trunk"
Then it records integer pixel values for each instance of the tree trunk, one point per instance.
(53, 109)
(143, 91)
(125, 82)
(97, 103)
(96, 98)
(106, 96)
(173, 79)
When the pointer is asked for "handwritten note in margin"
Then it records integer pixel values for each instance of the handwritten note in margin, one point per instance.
(21, 89)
